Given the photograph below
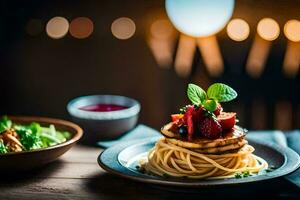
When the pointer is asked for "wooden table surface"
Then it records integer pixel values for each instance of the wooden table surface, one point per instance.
(76, 175)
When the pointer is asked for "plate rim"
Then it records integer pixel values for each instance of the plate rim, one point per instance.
(288, 153)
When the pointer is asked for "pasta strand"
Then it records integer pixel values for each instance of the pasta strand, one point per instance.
(167, 158)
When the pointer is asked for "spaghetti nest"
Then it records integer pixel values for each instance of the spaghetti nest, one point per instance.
(169, 159)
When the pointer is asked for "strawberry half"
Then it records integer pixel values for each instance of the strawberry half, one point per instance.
(227, 120)
(218, 110)
(211, 128)
(198, 116)
(188, 116)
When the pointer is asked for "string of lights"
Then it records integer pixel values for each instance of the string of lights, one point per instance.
(162, 41)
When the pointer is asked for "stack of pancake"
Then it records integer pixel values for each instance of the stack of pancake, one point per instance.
(231, 141)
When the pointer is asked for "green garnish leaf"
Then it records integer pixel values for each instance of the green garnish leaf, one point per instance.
(217, 92)
(3, 148)
(183, 110)
(5, 124)
(196, 94)
(238, 175)
(246, 174)
(210, 105)
(242, 174)
(221, 92)
(270, 169)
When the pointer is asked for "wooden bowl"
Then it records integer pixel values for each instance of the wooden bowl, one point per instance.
(26, 160)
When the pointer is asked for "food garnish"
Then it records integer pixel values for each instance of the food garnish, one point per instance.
(242, 174)
(270, 169)
(205, 117)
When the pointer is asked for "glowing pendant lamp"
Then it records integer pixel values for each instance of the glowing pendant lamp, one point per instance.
(199, 18)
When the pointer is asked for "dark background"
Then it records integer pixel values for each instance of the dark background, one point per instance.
(39, 75)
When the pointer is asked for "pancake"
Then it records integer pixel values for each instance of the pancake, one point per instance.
(216, 149)
(234, 136)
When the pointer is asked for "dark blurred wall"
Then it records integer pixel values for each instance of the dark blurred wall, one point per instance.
(39, 75)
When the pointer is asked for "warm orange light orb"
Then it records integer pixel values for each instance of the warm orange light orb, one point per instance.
(123, 28)
(268, 29)
(292, 30)
(57, 27)
(238, 30)
(81, 27)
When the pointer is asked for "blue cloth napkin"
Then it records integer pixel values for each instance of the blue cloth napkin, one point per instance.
(290, 139)
(139, 132)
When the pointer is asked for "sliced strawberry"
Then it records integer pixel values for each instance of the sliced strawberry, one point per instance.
(176, 117)
(189, 120)
(211, 128)
(198, 116)
(227, 120)
(218, 110)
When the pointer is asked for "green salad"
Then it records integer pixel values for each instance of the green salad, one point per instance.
(19, 137)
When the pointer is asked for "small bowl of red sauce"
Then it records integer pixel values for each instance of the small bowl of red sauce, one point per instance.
(104, 116)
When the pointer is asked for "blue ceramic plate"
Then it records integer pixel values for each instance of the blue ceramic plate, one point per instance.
(122, 160)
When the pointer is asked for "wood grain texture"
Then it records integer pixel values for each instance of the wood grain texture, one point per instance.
(76, 175)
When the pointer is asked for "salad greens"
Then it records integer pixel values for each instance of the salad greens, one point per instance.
(5, 123)
(3, 148)
(17, 137)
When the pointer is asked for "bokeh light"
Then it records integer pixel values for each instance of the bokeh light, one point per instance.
(81, 27)
(162, 40)
(34, 27)
(260, 121)
(185, 55)
(123, 28)
(283, 115)
(292, 30)
(238, 30)
(161, 29)
(291, 61)
(199, 18)
(57, 27)
(268, 29)
(211, 54)
(258, 56)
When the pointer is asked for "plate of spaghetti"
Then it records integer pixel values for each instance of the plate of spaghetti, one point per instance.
(201, 146)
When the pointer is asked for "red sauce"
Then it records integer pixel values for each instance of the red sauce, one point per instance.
(103, 107)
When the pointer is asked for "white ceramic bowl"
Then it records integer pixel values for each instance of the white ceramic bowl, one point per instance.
(104, 125)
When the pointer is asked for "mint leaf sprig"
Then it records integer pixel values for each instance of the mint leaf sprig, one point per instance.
(221, 92)
(196, 94)
(217, 92)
